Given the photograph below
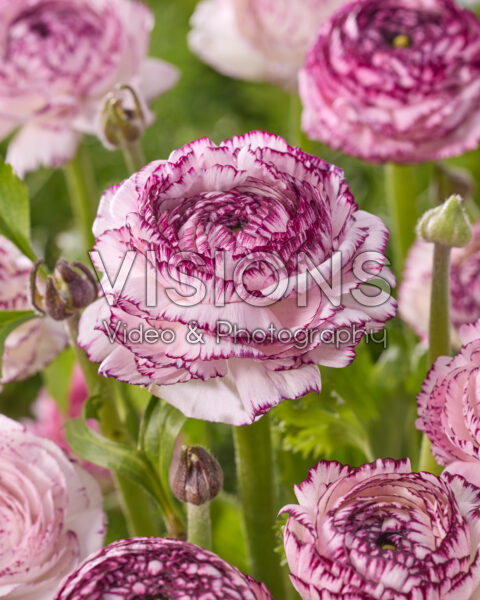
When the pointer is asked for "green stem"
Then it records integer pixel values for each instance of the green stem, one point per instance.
(294, 119)
(80, 187)
(199, 525)
(402, 193)
(255, 468)
(439, 330)
(139, 514)
(134, 157)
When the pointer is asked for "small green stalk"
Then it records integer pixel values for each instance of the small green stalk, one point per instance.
(133, 156)
(255, 471)
(199, 525)
(439, 331)
(402, 192)
(79, 182)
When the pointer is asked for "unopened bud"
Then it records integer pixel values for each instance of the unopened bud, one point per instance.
(65, 292)
(447, 224)
(196, 476)
(123, 117)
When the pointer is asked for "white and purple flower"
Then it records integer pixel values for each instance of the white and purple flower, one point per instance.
(395, 80)
(223, 241)
(51, 514)
(448, 407)
(258, 39)
(59, 60)
(380, 531)
(151, 568)
(30, 347)
(415, 289)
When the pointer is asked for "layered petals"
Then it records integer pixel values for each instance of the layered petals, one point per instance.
(229, 272)
(380, 531)
(51, 513)
(146, 568)
(395, 81)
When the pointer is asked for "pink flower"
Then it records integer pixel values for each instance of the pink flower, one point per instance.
(380, 531)
(51, 514)
(30, 347)
(258, 39)
(448, 407)
(49, 421)
(415, 290)
(229, 233)
(60, 58)
(395, 80)
(147, 568)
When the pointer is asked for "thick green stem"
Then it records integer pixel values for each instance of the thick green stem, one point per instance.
(134, 157)
(139, 514)
(199, 525)
(255, 472)
(439, 330)
(79, 182)
(402, 193)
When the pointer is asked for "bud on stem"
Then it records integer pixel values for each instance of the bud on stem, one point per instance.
(72, 287)
(447, 224)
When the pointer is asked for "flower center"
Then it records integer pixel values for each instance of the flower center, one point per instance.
(401, 40)
(385, 542)
(40, 28)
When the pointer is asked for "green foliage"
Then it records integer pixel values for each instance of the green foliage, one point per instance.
(58, 378)
(15, 210)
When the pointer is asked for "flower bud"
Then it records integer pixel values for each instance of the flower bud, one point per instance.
(123, 117)
(65, 292)
(447, 224)
(196, 476)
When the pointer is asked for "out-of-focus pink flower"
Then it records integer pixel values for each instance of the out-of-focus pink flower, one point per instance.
(30, 347)
(448, 407)
(229, 233)
(49, 421)
(416, 286)
(60, 58)
(147, 568)
(380, 531)
(51, 514)
(258, 39)
(395, 80)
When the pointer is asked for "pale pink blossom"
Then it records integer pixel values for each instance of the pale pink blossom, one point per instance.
(151, 568)
(395, 80)
(415, 289)
(59, 60)
(382, 532)
(30, 347)
(448, 407)
(51, 514)
(258, 39)
(202, 216)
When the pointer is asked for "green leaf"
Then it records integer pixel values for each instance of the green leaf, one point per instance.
(159, 430)
(58, 378)
(120, 458)
(9, 321)
(15, 210)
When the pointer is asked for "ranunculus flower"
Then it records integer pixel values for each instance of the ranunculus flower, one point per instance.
(380, 531)
(59, 60)
(258, 39)
(148, 568)
(49, 421)
(30, 347)
(416, 286)
(395, 80)
(235, 224)
(448, 407)
(51, 514)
